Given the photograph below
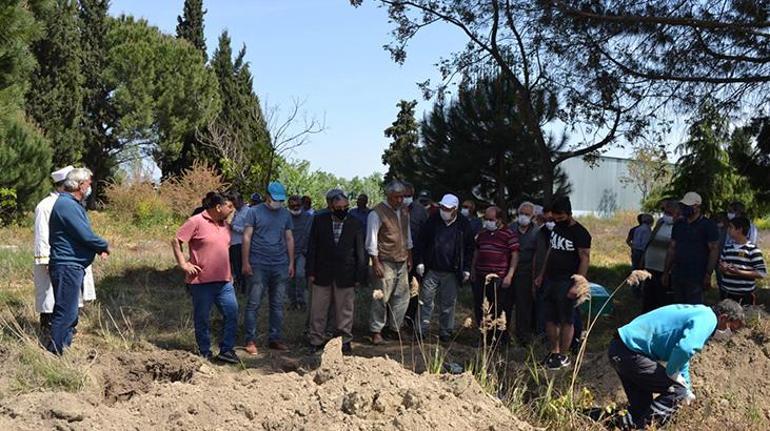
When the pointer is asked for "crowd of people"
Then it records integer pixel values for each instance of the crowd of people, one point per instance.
(415, 255)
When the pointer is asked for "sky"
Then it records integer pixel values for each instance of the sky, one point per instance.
(327, 53)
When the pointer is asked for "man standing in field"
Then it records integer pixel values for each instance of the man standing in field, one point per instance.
(207, 272)
(671, 334)
(268, 261)
(73, 248)
(692, 253)
(569, 254)
(301, 221)
(389, 244)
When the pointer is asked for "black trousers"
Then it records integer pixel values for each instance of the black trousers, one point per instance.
(748, 298)
(236, 265)
(521, 294)
(654, 295)
(642, 377)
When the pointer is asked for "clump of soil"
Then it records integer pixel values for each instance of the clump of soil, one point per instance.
(729, 381)
(350, 393)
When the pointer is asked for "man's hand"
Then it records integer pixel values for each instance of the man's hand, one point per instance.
(190, 269)
(507, 281)
(311, 280)
(291, 269)
(537, 282)
(409, 263)
(420, 270)
(379, 271)
(103, 255)
(466, 276)
(246, 269)
(688, 398)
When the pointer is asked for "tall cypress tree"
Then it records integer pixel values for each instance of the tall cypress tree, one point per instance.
(241, 111)
(55, 96)
(100, 117)
(405, 135)
(190, 25)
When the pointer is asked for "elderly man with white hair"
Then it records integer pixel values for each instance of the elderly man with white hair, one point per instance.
(521, 295)
(389, 244)
(44, 298)
(73, 248)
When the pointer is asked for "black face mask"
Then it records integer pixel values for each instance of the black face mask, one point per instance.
(340, 214)
(563, 223)
(687, 211)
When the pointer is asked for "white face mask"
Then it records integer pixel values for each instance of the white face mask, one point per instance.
(276, 205)
(489, 225)
(466, 212)
(731, 216)
(295, 212)
(446, 215)
(667, 219)
(722, 335)
(550, 225)
(408, 201)
(524, 220)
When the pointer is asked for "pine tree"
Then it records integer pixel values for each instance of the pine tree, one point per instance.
(705, 165)
(405, 135)
(190, 25)
(750, 155)
(55, 96)
(100, 116)
(25, 156)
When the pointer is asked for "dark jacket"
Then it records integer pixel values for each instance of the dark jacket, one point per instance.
(344, 263)
(70, 235)
(464, 245)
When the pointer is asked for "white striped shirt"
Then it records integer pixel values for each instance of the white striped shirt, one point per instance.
(746, 257)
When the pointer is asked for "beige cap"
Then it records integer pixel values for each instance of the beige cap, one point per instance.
(61, 174)
(691, 198)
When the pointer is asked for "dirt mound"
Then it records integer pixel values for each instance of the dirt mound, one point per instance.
(729, 381)
(351, 393)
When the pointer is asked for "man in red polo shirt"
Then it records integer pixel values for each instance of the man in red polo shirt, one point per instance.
(207, 273)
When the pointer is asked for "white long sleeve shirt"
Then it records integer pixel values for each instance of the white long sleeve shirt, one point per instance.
(42, 216)
(373, 225)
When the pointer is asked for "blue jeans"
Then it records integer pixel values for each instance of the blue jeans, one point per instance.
(271, 280)
(67, 282)
(298, 293)
(221, 294)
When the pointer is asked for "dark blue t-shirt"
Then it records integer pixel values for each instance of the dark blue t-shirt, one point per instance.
(692, 251)
(268, 241)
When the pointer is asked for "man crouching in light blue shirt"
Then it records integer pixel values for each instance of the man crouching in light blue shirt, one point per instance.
(671, 334)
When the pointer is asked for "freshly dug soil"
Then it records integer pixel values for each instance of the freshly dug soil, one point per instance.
(730, 382)
(176, 391)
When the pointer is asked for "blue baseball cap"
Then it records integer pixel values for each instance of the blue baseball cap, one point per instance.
(277, 191)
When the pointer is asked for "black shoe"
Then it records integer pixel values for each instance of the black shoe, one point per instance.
(347, 349)
(228, 357)
(554, 362)
(565, 361)
(547, 359)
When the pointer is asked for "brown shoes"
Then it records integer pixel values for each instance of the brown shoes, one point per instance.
(251, 348)
(377, 339)
(278, 345)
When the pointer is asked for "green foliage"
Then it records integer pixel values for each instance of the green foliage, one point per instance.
(405, 133)
(55, 97)
(299, 179)
(241, 116)
(705, 166)
(648, 170)
(750, 154)
(18, 29)
(480, 128)
(190, 25)
(162, 89)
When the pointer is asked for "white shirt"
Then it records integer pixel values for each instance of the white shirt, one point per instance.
(373, 225)
(42, 216)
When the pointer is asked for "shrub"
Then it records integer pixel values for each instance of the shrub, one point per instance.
(138, 203)
(184, 193)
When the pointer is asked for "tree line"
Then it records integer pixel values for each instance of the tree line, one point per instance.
(78, 86)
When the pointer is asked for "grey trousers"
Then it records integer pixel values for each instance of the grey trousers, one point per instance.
(325, 298)
(445, 284)
(391, 308)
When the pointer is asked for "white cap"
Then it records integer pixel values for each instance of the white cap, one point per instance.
(449, 201)
(61, 174)
(691, 198)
